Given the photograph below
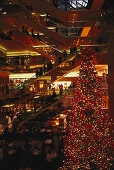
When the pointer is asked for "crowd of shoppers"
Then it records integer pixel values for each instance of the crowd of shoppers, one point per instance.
(28, 147)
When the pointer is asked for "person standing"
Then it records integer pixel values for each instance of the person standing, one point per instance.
(37, 72)
(45, 69)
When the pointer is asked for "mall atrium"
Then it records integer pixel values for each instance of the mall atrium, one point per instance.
(56, 84)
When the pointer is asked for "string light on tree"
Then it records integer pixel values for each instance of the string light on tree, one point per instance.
(88, 144)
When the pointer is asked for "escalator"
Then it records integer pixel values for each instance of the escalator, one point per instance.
(57, 70)
(50, 109)
(56, 73)
(25, 39)
(29, 42)
(65, 37)
(55, 38)
(45, 7)
(77, 20)
(53, 56)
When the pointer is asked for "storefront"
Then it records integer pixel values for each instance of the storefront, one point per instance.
(19, 78)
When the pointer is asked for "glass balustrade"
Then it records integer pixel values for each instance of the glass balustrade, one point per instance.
(52, 24)
(62, 64)
(48, 101)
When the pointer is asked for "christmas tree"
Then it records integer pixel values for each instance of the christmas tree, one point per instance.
(88, 142)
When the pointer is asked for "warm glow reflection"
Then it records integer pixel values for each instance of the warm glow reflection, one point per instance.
(85, 31)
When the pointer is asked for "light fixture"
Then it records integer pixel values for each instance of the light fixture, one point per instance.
(43, 15)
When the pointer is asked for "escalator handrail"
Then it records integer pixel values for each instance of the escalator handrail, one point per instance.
(32, 95)
(63, 13)
(63, 96)
(21, 86)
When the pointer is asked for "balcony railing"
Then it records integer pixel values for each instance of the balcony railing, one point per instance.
(42, 108)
